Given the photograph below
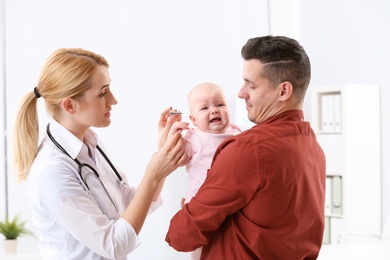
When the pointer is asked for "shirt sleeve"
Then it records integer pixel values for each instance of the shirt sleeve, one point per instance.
(229, 186)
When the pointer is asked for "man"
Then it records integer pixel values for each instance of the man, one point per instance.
(264, 194)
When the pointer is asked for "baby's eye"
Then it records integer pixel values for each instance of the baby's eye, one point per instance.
(204, 108)
(221, 105)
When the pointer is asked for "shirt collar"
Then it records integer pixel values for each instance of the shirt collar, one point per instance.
(290, 115)
(69, 141)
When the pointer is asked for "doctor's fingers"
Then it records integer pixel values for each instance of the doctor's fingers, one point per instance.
(163, 118)
(166, 120)
(167, 159)
(173, 140)
(175, 147)
(178, 151)
(184, 159)
(163, 130)
(165, 125)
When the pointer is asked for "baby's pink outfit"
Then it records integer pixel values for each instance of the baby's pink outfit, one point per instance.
(201, 146)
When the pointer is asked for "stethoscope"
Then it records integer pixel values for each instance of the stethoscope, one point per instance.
(118, 176)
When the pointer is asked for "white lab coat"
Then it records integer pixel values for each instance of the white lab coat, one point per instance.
(75, 222)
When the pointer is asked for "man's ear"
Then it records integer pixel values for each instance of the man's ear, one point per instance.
(68, 105)
(193, 120)
(286, 91)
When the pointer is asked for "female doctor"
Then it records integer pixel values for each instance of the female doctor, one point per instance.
(81, 204)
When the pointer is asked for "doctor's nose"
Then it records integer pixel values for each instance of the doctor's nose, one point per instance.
(112, 99)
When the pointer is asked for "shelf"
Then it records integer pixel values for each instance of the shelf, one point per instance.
(352, 150)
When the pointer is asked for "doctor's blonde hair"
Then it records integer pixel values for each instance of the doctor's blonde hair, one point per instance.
(66, 73)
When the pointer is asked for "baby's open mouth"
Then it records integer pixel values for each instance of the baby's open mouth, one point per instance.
(214, 120)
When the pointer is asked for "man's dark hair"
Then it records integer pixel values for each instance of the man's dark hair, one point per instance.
(284, 59)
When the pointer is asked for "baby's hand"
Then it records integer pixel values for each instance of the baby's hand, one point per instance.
(178, 127)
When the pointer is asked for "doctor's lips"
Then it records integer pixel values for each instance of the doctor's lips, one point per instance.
(174, 113)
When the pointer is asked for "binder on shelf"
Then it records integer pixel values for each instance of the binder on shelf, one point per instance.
(325, 115)
(326, 236)
(330, 112)
(337, 195)
(328, 196)
(337, 112)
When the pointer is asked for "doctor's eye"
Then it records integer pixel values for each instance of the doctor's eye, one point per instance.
(103, 93)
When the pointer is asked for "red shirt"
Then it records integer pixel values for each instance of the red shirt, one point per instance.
(263, 197)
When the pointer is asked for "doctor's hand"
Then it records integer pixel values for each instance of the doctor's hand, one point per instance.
(179, 127)
(168, 158)
(164, 125)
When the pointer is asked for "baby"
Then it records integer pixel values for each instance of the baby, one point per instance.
(210, 117)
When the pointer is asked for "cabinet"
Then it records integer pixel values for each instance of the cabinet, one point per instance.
(346, 119)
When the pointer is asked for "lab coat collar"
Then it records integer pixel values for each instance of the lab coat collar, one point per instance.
(69, 141)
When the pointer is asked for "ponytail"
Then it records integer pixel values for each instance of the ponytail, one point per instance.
(25, 136)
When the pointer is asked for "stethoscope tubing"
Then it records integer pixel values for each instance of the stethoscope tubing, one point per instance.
(118, 176)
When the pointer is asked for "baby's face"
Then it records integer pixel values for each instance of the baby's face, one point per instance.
(209, 111)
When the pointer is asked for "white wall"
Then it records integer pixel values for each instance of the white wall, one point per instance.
(157, 51)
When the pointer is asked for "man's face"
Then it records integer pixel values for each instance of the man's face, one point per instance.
(262, 100)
